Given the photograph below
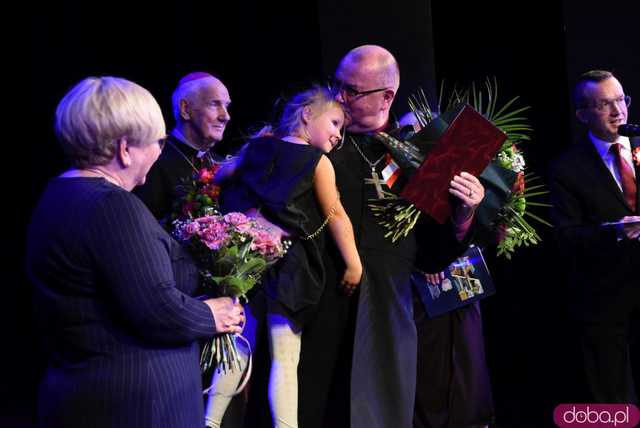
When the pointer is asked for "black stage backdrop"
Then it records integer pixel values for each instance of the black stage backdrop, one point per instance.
(264, 49)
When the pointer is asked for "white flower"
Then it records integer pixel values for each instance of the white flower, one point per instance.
(518, 162)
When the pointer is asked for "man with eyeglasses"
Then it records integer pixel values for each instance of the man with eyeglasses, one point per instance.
(596, 214)
(201, 110)
(367, 377)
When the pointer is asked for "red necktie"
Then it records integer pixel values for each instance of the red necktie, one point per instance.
(626, 177)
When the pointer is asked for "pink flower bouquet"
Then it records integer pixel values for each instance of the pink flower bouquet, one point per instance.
(232, 251)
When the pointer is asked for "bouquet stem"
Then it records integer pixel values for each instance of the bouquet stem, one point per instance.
(221, 352)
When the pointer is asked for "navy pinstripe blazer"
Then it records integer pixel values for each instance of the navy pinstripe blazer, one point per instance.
(112, 297)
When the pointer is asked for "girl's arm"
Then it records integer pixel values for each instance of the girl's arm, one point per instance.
(228, 168)
(339, 224)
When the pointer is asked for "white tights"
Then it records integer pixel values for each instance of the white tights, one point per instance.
(284, 345)
(223, 388)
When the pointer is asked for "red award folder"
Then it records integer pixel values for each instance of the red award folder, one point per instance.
(468, 144)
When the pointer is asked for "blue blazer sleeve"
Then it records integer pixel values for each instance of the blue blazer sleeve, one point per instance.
(134, 259)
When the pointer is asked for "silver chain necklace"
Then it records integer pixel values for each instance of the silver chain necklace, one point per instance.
(375, 177)
(372, 165)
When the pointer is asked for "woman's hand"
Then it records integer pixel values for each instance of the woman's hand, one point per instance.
(228, 314)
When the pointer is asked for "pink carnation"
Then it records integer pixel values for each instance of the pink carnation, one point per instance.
(191, 228)
(208, 219)
(264, 242)
(214, 236)
(244, 228)
(236, 219)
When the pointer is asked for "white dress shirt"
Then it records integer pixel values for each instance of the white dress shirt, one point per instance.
(609, 159)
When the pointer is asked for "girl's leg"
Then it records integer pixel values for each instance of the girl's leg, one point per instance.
(284, 344)
(224, 385)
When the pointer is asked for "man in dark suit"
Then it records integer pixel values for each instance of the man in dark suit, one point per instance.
(201, 110)
(595, 211)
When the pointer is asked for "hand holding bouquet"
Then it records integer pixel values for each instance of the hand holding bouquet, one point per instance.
(232, 251)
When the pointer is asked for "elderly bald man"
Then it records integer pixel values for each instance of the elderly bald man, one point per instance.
(383, 366)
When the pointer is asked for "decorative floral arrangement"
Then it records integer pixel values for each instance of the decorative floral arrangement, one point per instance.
(198, 194)
(232, 251)
(510, 228)
(511, 224)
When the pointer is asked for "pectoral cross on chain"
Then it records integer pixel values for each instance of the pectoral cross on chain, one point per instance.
(375, 180)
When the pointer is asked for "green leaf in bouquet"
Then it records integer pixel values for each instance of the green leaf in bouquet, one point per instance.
(225, 260)
(231, 252)
(235, 286)
(396, 216)
(538, 186)
(248, 283)
(244, 249)
(529, 194)
(419, 105)
(537, 218)
(252, 266)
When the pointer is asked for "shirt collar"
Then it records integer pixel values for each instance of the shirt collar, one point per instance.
(180, 136)
(603, 147)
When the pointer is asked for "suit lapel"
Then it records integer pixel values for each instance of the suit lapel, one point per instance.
(601, 171)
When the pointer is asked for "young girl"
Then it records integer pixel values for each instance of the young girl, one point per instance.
(289, 180)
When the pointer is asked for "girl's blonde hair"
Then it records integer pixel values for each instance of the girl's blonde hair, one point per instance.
(291, 119)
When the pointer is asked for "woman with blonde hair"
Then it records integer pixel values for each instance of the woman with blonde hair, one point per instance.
(112, 289)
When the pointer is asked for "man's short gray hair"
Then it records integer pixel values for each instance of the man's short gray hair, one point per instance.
(189, 89)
